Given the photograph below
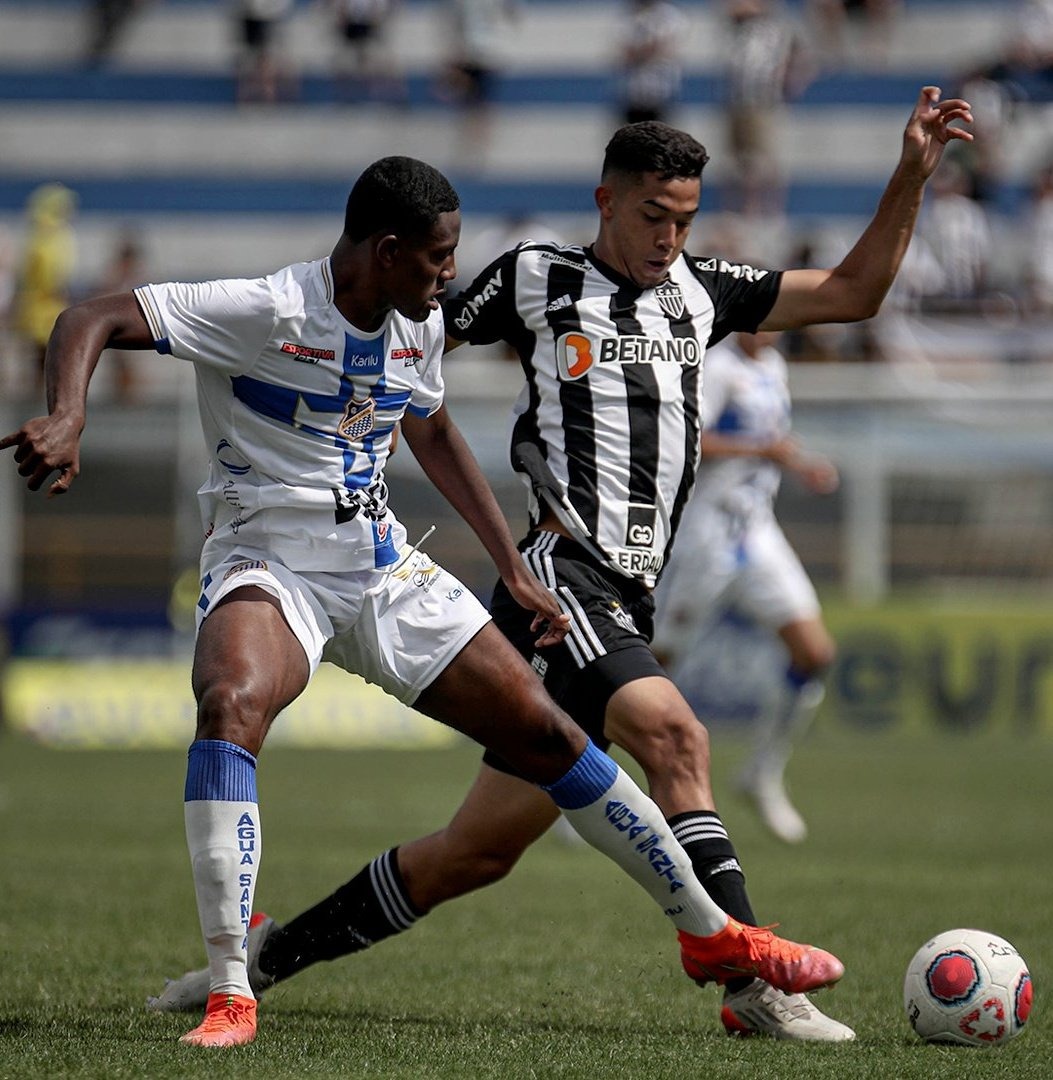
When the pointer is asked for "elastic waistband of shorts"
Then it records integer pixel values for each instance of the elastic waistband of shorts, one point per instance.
(564, 547)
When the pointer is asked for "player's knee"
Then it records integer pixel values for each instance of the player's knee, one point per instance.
(546, 742)
(674, 740)
(230, 711)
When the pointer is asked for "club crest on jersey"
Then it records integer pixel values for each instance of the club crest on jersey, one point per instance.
(358, 420)
(670, 299)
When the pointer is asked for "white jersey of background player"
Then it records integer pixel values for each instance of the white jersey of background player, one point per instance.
(730, 554)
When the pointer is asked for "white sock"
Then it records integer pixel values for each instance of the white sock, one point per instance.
(790, 715)
(223, 837)
(608, 809)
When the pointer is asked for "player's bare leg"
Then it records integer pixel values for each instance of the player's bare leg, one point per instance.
(248, 666)
(607, 808)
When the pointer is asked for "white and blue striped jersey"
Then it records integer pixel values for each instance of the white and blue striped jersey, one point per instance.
(748, 399)
(298, 408)
(607, 428)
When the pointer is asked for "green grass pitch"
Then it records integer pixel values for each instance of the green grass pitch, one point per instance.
(563, 970)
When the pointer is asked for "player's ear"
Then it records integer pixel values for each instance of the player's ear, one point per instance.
(387, 250)
(604, 196)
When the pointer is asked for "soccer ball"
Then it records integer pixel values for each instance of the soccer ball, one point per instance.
(968, 987)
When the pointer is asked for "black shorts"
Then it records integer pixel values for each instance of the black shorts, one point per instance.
(608, 645)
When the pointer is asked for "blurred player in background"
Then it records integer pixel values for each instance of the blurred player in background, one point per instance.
(607, 434)
(732, 555)
(302, 377)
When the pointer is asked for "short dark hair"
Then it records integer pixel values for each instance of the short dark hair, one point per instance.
(653, 147)
(398, 195)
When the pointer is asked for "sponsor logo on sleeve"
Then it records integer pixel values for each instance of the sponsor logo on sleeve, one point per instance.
(736, 270)
(473, 305)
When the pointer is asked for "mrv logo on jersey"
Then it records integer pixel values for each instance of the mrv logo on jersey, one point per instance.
(472, 306)
(577, 354)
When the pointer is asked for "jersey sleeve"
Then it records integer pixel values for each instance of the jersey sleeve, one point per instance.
(428, 394)
(484, 311)
(742, 295)
(223, 324)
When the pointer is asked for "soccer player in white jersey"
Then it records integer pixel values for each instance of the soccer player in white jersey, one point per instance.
(302, 377)
(607, 436)
(732, 555)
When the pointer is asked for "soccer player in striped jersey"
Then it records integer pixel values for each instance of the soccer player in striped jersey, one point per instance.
(607, 437)
(302, 377)
(732, 555)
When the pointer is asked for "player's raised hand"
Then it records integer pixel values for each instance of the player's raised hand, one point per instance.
(929, 129)
(45, 445)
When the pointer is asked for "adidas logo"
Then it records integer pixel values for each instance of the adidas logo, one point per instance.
(562, 302)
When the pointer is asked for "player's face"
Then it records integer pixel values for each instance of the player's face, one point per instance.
(424, 267)
(644, 224)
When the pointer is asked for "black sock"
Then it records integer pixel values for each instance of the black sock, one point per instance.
(373, 905)
(702, 835)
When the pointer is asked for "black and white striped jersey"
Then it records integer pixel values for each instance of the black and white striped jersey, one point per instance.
(607, 427)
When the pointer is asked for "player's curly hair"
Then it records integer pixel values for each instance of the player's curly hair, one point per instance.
(653, 147)
(398, 195)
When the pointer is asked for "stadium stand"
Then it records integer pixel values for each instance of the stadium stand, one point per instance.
(154, 136)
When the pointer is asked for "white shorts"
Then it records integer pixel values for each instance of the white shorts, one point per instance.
(759, 577)
(398, 627)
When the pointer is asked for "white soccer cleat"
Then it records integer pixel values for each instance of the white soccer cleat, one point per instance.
(191, 990)
(773, 805)
(760, 1009)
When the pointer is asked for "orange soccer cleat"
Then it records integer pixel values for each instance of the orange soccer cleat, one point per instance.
(740, 950)
(230, 1020)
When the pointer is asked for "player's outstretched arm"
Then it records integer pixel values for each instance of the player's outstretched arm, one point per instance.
(855, 289)
(48, 444)
(450, 465)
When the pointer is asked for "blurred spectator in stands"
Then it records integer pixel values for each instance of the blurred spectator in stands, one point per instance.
(994, 100)
(1031, 38)
(478, 29)
(767, 65)
(125, 271)
(651, 65)
(264, 74)
(958, 231)
(45, 271)
(366, 68)
(1038, 243)
(853, 32)
(107, 20)
(827, 343)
